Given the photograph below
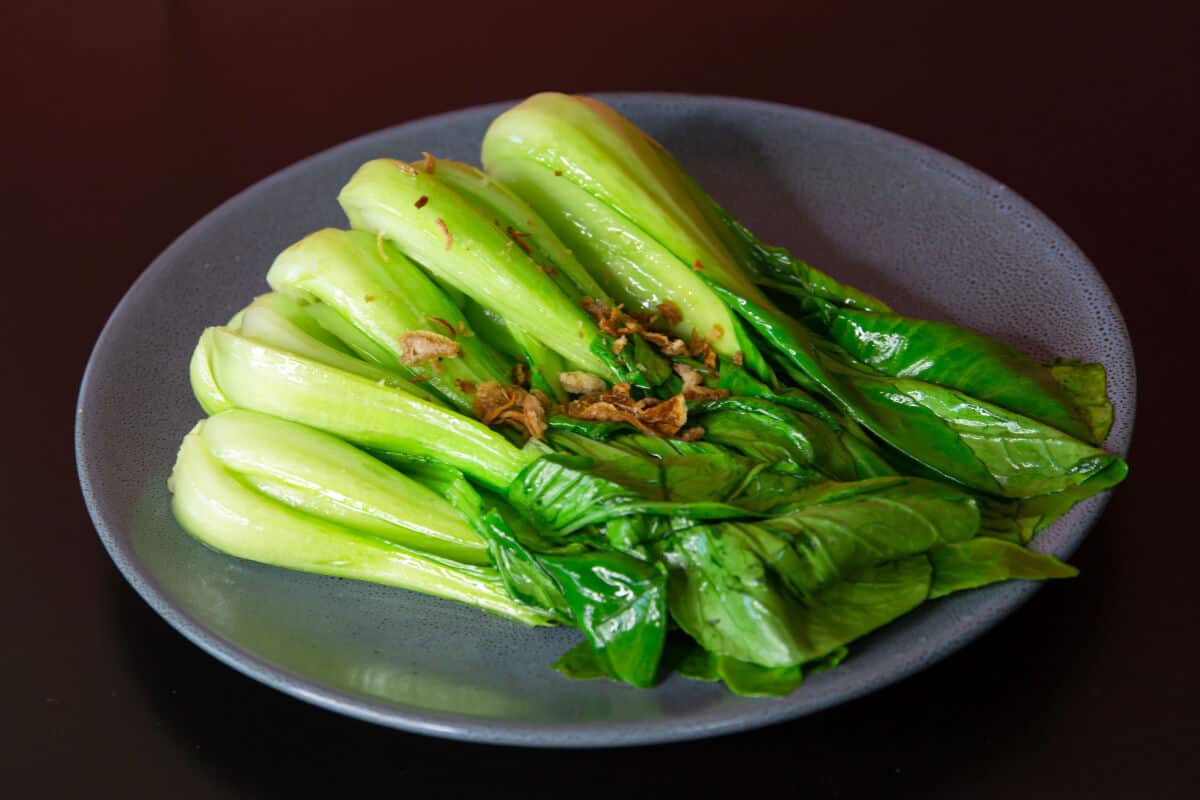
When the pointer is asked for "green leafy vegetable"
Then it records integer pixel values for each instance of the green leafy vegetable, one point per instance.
(563, 495)
(978, 562)
(612, 160)
(966, 439)
(265, 321)
(213, 504)
(327, 478)
(519, 219)
(1086, 385)
(955, 358)
(620, 604)
(775, 266)
(389, 300)
(457, 241)
(741, 677)
(384, 415)
(633, 267)
(831, 465)
(727, 592)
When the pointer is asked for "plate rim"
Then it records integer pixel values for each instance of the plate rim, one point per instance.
(462, 727)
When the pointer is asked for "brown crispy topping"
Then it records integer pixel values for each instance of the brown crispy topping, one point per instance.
(699, 348)
(465, 386)
(667, 415)
(645, 318)
(549, 270)
(690, 375)
(379, 246)
(463, 330)
(439, 321)
(558, 173)
(738, 358)
(674, 349)
(492, 399)
(420, 347)
(519, 237)
(418, 378)
(670, 312)
(581, 383)
(622, 322)
(595, 309)
(693, 384)
(449, 237)
(659, 340)
(542, 398)
(405, 167)
(520, 374)
(534, 416)
(611, 324)
(692, 434)
(616, 323)
(613, 321)
(429, 164)
(716, 332)
(618, 345)
(368, 298)
(421, 201)
(696, 265)
(648, 415)
(498, 404)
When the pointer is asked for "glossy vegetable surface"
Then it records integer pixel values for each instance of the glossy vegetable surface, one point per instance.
(574, 390)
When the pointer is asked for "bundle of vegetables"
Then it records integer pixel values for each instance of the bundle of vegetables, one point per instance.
(573, 390)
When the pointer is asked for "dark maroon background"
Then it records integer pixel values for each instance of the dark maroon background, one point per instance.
(124, 122)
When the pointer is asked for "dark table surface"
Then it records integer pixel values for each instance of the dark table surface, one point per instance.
(125, 122)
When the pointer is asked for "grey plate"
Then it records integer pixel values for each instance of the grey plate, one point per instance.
(933, 236)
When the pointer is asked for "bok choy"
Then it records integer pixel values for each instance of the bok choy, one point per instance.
(572, 389)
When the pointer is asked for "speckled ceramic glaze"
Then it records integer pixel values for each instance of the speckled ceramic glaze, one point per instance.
(934, 237)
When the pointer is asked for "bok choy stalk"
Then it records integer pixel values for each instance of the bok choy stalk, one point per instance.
(519, 219)
(947, 401)
(297, 314)
(323, 476)
(530, 280)
(529, 232)
(616, 599)
(447, 234)
(633, 266)
(611, 160)
(272, 491)
(283, 322)
(389, 300)
(615, 162)
(842, 464)
(387, 414)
